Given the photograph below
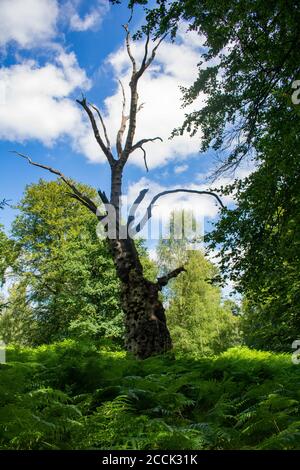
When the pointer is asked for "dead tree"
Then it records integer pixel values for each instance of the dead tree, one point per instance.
(145, 320)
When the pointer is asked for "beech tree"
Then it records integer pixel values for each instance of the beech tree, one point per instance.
(146, 331)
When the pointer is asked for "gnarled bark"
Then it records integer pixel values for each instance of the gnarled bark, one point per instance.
(146, 331)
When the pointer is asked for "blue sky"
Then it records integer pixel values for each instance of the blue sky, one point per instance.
(53, 50)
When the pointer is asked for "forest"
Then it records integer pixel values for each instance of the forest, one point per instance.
(111, 338)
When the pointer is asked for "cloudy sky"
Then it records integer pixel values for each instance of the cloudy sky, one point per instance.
(51, 52)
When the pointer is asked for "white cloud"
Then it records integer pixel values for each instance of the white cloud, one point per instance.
(90, 20)
(33, 23)
(36, 100)
(175, 65)
(37, 103)
(180, 169)
(28, 22)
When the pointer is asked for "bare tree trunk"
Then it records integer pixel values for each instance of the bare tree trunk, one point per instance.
(146, 331)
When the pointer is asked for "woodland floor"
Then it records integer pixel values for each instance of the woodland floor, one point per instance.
(72, 395)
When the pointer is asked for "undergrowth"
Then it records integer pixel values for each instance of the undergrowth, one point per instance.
(73, 395)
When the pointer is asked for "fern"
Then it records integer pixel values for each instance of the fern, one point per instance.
(71, 395)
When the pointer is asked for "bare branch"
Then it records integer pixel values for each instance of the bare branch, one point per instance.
(145, 158)
(147, 62)
(163, 281)
(103, 125)
(131, 14)
(98, 138)
(135, 205)
(146, 49)
(82, 201)
(77, 194)
(128, 47)
(124, 120)
(148, 213)
(124, 97)
(140, 143)
(133, 86)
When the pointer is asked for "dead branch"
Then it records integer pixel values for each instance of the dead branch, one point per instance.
(128, 47)
(140, 143)
(145, 159)
(124, 120)
(98, 138)
(148, 213)
(103, 125)
(76, 194)
(148, 61)
(135, 205)
(146, 49)
(163, 281)
(135, 76)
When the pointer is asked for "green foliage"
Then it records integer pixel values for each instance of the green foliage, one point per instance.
(250, 55)
(199, 321)
(7, 254)
(73, 396)
(260, 243)
(63, 272)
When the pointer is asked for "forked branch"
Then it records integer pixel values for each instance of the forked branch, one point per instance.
(140, 143)
(105, 148)
(147, 61)
(135, 76)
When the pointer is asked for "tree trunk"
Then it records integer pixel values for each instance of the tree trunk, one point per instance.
(146, 331)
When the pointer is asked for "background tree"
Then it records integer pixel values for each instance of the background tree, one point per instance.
(18, 324)
(260, 238)
(172, 250)
(7, 250)
(63, 272)
(6, 254)
(199, 321)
